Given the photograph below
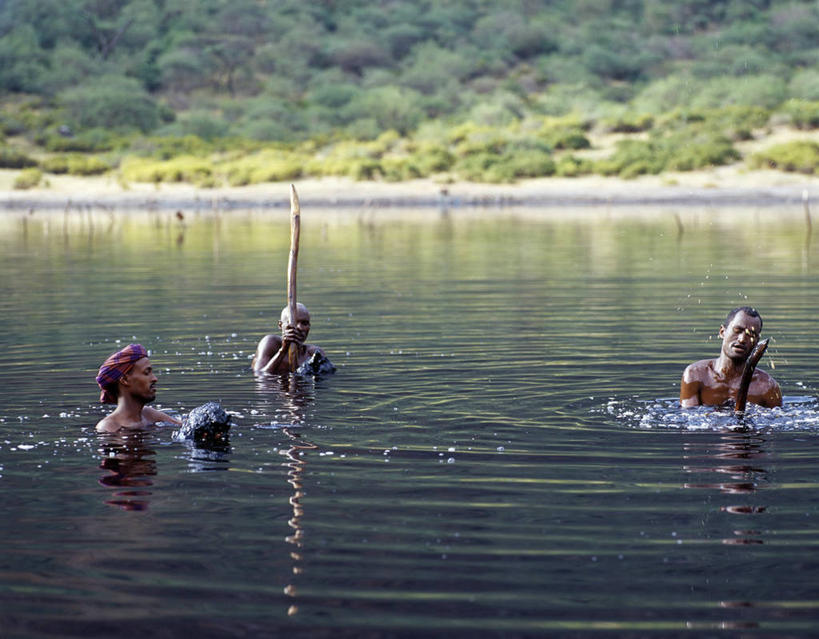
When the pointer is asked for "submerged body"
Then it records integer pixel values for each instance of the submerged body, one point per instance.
(716, 382)
(272, 352)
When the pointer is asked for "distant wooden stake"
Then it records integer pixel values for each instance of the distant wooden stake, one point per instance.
(295, 230)
(748, 374)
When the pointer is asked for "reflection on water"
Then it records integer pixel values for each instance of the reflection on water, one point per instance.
(295, 474)
(293, 394)
(735, 469)
(500, 451)
(129, 461)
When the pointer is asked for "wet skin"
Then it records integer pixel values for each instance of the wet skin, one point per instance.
(715, 382)
(134, 390)
(271, 353)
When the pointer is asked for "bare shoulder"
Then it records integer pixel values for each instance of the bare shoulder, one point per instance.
(764, 379)
(268, 346)
(698, 370)
(765, 390)
(108, 424)
(270, 339)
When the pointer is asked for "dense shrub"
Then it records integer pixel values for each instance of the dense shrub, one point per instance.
(90, 141)
(263, 167)
(169, 147)
(567, 139)
(629, 123)
(803, 114)
(800, 156)
(571, 166)
(180, 169)
(111, 102)
(13, 159)
(28, 179)
(684, 151)
(396, 168)
(87, 165)
(432, 158)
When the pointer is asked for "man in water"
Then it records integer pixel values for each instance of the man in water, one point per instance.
(127, 379)
(271, 353)
(715, 382)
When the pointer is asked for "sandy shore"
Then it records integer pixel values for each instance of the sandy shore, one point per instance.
(719, 186)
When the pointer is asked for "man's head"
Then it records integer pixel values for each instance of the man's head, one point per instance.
(302, 319)
(740, 333)
(748, 310)
(127, 371)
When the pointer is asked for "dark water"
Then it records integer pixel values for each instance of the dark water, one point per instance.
(499, 453)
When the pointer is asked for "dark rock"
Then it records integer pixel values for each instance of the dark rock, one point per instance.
(318, 364)
(205, 424)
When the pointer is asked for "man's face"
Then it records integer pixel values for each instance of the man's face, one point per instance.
(740, 336)
(142, 381)
(302, 320)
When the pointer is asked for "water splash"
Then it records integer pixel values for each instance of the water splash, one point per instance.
(797, 414)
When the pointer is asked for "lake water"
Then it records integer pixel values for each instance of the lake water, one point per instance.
(499, 453)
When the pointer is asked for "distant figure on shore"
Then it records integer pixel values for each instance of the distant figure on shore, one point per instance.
(271, 353)
(127, 379)
(714, 382)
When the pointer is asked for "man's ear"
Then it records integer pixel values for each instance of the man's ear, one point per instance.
(721, 332)
(124, 380)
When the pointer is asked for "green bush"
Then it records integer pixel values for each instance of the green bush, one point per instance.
(573, 139)
(398, 168)
(682, 151)
(182, 169)
(432, 158)
(91, 141)
(165, 148)
(263, 167)
(506, 167)
(571, 166)
(111, 102)
(57, 164)
(13, 159)
(804, 84)
(800, 156)
(87, 165)
(802, 113)
(700, 153)
(528, 163)
(629, 123)
(28, 179)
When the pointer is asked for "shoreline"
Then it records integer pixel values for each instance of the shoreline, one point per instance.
(722, 186)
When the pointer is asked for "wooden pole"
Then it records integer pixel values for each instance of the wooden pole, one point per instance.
(747, 375)
(295, 231)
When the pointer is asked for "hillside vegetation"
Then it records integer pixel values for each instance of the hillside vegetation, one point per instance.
(236, 92)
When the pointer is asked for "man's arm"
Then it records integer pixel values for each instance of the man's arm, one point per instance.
(281, 345)
(690, 387)
(155, 416)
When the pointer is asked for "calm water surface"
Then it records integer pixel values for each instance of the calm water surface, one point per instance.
(500, 452)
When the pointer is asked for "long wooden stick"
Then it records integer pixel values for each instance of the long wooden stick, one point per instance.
(747, 375)
(295, 231)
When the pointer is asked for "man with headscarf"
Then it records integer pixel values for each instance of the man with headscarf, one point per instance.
(127, 379)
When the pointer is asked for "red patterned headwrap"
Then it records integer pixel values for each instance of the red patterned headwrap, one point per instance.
(117, 365)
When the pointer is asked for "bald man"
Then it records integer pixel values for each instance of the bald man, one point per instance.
(271, 353)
